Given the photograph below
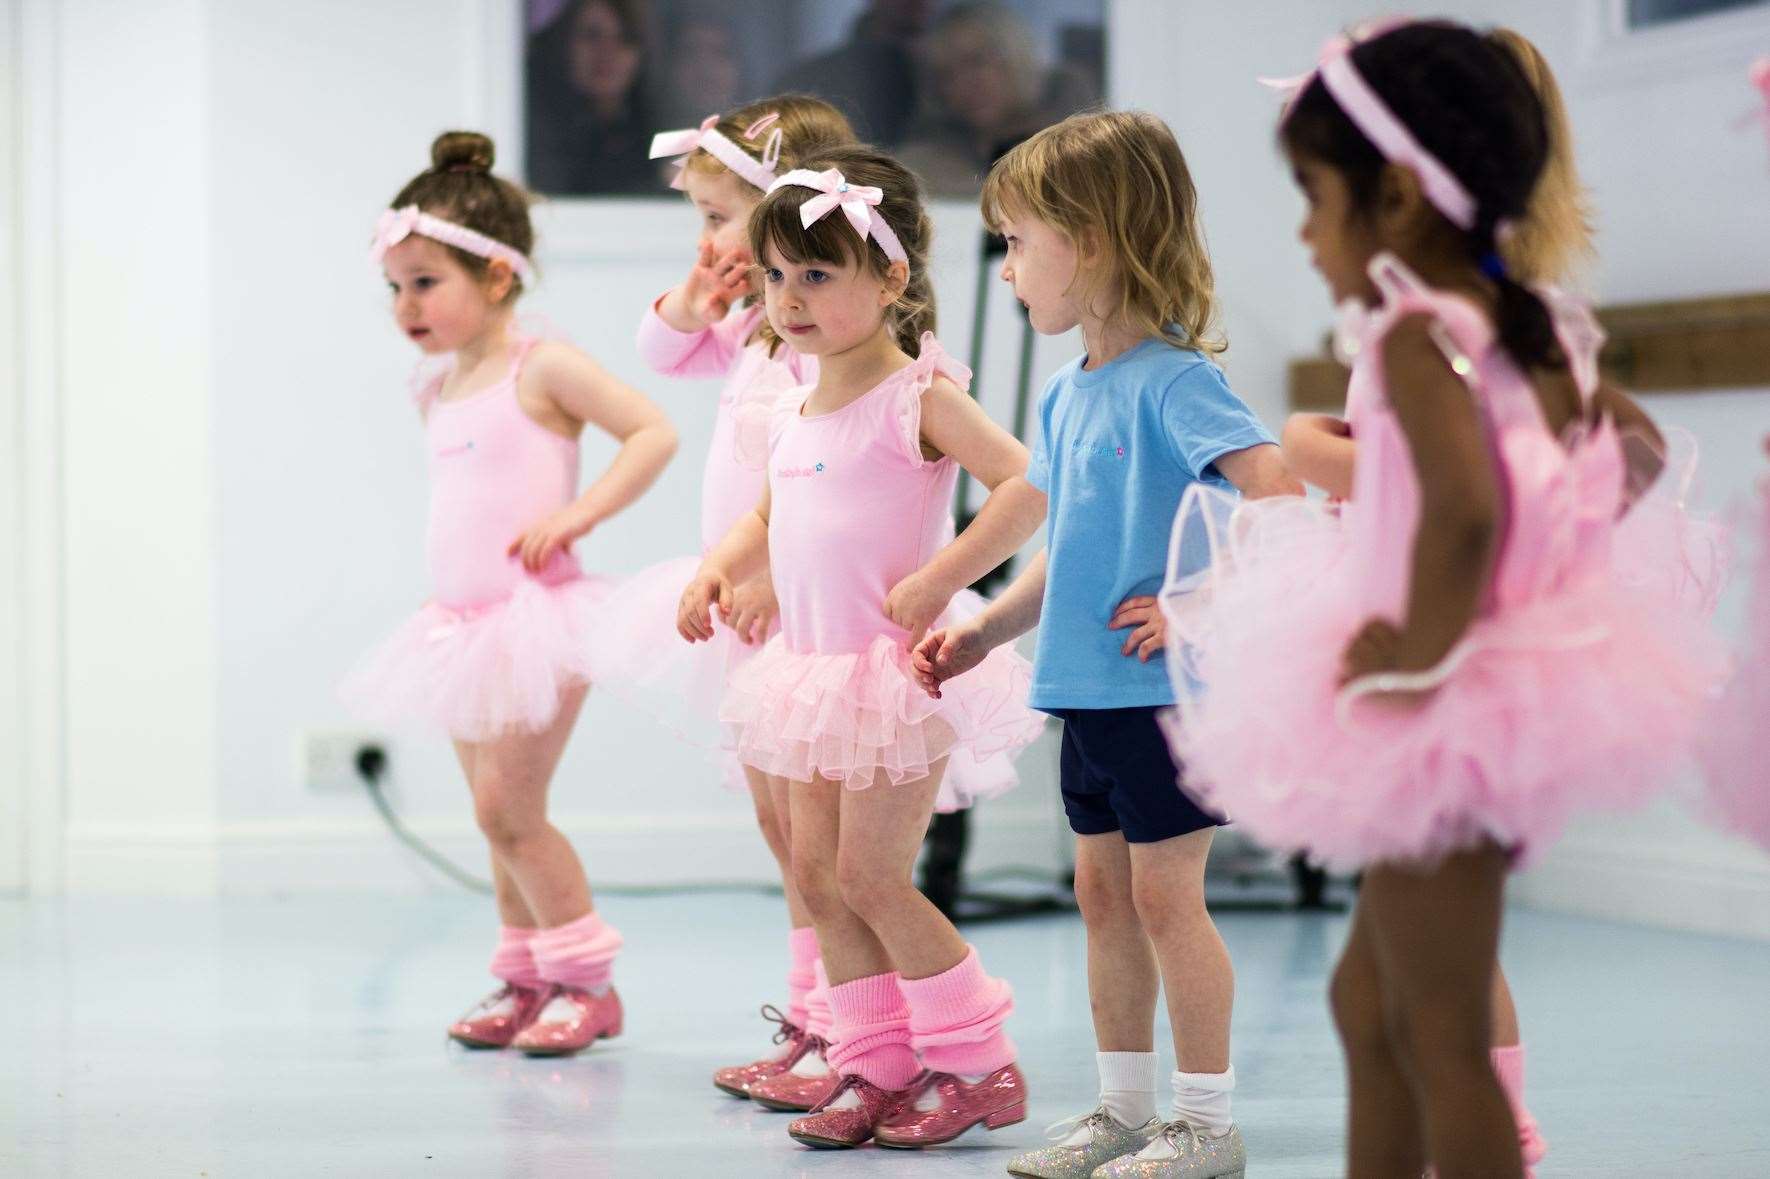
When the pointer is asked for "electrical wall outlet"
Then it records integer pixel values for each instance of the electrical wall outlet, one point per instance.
(326, 759)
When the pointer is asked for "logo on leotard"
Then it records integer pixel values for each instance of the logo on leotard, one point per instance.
(454, 451)
(799, 472)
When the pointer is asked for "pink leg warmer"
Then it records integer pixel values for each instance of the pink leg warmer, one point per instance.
(871, 1038)
(578, 954)
(956, 1019)
(817, 1003)
(513, 961)
(801, 975)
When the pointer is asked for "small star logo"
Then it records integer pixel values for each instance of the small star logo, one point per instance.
(820, 467)
(1121, 452)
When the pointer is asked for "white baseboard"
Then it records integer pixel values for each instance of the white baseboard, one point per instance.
(1719, 887)
(359, 855)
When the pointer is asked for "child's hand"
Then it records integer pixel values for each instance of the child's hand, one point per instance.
(1150, 635)
(752, 612)
(556, 534)
(916, 601)
(947, 652)
(694, 620)
(716, 282)
(1376, 648)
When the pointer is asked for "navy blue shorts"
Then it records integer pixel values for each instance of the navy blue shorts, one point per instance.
(1118, 775)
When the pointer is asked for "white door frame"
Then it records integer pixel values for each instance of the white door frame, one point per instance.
(32, 635)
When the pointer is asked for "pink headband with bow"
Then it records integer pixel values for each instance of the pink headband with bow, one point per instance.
(1387, 133)
(709, 139)
(857, 202)
(396, 225)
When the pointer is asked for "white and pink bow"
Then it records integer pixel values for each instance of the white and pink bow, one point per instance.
(858, 202)
(708, 138)
(396, 225)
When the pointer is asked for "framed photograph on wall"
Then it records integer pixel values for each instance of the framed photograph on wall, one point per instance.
(948, 85)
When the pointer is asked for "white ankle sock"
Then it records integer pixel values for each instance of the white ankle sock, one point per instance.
(1127, 1086)
(1201, 1100)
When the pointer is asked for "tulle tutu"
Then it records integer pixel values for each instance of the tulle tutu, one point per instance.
(1583, 699)
(479, 672)
(851, 716)
(1735, 749)
(644, 661)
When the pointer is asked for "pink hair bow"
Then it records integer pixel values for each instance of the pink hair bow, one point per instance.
(396, 225)
(1335, 47)
(708, 138)
(857, 202)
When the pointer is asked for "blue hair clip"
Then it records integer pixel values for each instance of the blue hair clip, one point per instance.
(1493, 265)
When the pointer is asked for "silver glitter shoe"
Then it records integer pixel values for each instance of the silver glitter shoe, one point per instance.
(1179, 1151)
(1083, 1142)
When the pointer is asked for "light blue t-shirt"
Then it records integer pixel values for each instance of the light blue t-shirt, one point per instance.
(1117, 448)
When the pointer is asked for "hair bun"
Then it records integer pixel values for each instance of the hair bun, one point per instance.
(462, 151)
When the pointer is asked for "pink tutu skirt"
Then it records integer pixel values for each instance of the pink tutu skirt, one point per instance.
(1735, 749)
(1585, 699)
(643, 661)
(482, 671)
(857, 716)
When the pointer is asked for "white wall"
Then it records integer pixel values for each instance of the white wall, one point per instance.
(12, 762)
(242, 474)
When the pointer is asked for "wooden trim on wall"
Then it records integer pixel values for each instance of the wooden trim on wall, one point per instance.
(1676, 346)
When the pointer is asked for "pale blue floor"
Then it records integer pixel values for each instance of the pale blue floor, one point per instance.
(304, 1038)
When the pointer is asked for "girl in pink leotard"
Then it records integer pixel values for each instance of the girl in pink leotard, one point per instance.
(497, 658)
(709, 326)
(856, 528)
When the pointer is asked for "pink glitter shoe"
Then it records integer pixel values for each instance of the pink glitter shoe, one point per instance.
(497, 1019)
(570, 1021)
(842, 1129)
(738, 1079)
(938, 1107)
(789, 1092)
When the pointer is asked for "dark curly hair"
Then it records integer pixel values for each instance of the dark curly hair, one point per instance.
(1467, 101)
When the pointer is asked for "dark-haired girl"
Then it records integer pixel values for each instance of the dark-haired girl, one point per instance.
(1435, 704)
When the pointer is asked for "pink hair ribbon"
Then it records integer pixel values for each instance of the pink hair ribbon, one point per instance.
(396, 225)
(709, 139)
(857, 201)
(1386, 132)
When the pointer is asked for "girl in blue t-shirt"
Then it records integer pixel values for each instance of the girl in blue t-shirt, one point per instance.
(1101, 220)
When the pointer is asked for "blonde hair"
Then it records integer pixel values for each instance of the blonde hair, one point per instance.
(806, 125)
(775, 225)
(1117, 180)
(1553, 240)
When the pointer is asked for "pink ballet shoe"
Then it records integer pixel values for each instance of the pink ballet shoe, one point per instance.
(738, 1079)
(843, 1129)
(998, 1100)
(570, 1021)
(497, 1019)
(789, 1092)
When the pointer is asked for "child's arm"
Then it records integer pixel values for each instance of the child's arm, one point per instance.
(1643, 446)
(1258, 472)
(955, 650)
(1457, 536)
(956, 425)
(584, 391)
(740, 555)
(1319, 448)
(686, 332)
